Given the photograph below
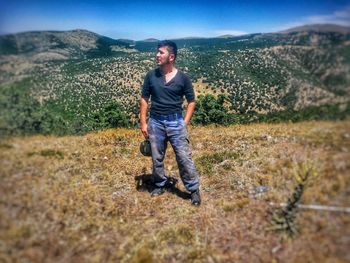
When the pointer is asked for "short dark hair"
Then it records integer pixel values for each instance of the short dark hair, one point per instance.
(171, 46)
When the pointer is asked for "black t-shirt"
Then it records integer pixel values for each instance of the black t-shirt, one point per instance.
(167, 98)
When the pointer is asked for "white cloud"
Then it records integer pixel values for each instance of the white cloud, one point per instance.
(343, 13)
(339, 17)
(229, 32)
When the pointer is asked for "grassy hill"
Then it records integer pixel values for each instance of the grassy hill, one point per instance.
(85, 198)
(59, 45)
(65, 82)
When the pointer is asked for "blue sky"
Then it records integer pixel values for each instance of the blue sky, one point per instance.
(168, 19)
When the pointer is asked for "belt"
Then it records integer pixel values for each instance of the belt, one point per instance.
(170, 117)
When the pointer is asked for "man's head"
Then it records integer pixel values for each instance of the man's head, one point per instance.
(166, 52)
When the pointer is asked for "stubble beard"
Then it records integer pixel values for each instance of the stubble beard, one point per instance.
(165, 63)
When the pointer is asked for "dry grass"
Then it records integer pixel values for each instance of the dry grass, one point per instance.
(75, 199)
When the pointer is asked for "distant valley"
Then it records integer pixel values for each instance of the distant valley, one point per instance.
(77, 81)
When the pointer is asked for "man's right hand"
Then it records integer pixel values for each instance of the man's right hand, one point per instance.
(143, 113)
(144, 130)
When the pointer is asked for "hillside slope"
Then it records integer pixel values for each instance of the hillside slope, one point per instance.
(258, 73)
(59, 45)
(85, 198)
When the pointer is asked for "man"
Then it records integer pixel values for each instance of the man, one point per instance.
(166, 86)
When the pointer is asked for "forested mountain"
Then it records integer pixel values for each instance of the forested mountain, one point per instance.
(53, 45)
(77, 81)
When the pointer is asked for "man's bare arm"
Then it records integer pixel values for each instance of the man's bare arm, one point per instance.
(190, 109)
(143, 114)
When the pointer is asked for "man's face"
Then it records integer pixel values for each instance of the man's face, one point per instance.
(163, 56)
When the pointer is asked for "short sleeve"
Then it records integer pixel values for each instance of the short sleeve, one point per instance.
(188, 89)
(146, 88)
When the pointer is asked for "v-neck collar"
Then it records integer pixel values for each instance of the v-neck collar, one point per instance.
(172, 79)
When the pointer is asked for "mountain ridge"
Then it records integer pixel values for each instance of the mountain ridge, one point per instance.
(73, 43)
(319, 28)
(306, 27)
(84, 43)
(255, 77)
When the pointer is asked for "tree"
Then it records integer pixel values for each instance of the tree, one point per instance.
(111, 116)
(211, 109)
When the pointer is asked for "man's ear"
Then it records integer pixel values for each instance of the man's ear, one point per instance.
(172, 57)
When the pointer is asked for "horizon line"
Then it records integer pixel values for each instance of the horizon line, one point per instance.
(174, 38)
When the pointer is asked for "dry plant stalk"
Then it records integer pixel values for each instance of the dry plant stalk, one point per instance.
(284, 218)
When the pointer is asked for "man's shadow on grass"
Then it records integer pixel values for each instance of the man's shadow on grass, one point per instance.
(144, 183)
